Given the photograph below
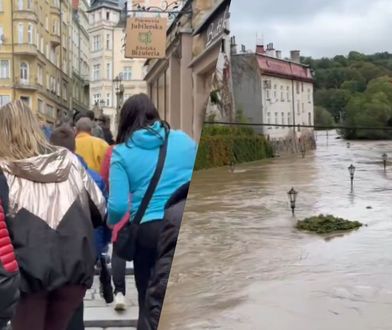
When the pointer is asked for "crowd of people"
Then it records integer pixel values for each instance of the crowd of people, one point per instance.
(66, 194)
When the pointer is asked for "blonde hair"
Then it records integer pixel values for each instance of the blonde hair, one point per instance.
(21, 136)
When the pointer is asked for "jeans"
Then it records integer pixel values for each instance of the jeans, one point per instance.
(144, 261)
(118, 274)
(48, 310)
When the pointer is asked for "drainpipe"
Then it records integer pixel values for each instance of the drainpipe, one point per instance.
(13, 51)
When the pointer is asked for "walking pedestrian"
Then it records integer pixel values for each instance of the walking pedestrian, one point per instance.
(141, 134)
(90, 148)
(96, 129)
(53, 207)
(9, 270)
(119, 265)
(104, 123)
(64, 136)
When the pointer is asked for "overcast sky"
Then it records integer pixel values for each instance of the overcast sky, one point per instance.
(316, 27)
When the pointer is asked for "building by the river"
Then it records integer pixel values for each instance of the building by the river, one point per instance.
(269, 89)
(180, 84)
(107, 19)
(35, 56)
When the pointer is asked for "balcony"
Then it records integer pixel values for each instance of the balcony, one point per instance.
(30, 84)
(55, 39)
(26, 14)
(55, 10)
(26, 49)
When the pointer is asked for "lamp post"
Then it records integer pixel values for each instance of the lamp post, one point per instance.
(292, 197)
(351, 170)
(119, 88)
(384, 159)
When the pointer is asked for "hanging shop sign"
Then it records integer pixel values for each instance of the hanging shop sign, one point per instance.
(146, 37)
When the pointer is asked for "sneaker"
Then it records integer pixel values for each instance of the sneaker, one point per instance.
(119, 302)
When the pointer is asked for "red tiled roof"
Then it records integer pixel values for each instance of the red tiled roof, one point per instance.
(282, 68)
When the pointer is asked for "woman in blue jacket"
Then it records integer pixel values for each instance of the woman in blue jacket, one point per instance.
(141, 132)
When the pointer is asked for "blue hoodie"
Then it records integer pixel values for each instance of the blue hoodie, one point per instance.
(133, 165)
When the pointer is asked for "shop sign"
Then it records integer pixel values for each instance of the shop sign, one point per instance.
(146, 37)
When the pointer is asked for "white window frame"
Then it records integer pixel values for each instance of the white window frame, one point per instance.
(4, 99)
(30, 34)
(127, 73)
(109, 71)
(30, 4)
(97, 43)
(1, 32)
(96, 72)
(20, 33)
(108, 42)
(20, 4)
(24, 72)
(4, 69)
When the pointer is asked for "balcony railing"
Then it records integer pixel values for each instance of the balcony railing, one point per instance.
(26, 49)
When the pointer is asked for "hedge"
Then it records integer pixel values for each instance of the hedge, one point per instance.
(222, 150)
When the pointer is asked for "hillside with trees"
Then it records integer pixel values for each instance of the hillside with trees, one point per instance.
(354, 91)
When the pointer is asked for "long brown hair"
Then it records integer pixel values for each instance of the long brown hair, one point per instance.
(20, 133)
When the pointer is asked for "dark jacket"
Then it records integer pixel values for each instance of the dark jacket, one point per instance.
(52, 205)
(9, 271)
(166, 247)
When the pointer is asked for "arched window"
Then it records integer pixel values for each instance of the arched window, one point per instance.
(24, 71)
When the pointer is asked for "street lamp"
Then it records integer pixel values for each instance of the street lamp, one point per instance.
(384, 159)
(119, 88)
(292, 197)
(351, 170)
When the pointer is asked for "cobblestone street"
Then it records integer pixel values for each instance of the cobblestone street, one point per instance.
(98, 315)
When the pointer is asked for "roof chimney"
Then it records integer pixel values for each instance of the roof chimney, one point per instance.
(279, 54)
(260, 49)
(295, 56)
(233, 45)
(270, 50)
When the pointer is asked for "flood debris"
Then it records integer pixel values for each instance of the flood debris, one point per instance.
(325, 224)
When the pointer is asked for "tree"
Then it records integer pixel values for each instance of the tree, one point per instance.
(322, 117)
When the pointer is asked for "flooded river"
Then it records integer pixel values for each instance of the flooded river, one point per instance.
(240, 264)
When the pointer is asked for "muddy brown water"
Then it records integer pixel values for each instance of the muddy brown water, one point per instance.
(240, 264)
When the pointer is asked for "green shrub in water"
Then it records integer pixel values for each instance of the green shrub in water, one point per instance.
(325, 224)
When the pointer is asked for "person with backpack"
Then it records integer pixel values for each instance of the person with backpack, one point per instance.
(54, 206)
(150, 161)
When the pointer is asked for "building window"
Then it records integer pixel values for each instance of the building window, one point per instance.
(1, 34)
(20, 33)
(96, 98)
(281, 94)
(65, 90)
(268, 96)
(269, 117)
(297, 86)
(40, 74)
(309, 96)
(288, 93)
(298, 109)
(302, 86)
(47, 23)
(29, 4)
(50, 111)
(108, 42)
(108, 15)
(96, 71)
(108, 99)
(1, 5)
(4, 69)
(289, 118)
(20, 4)
(310, 119)
(96, 43)
(303, 107)
(24, 72)
(30, 34)
(276, 120)
(109, 71)
(127, 73)
(40, 106)
(4, 99)
(275, 93)
(25, 100)
(283, 119)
